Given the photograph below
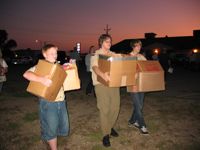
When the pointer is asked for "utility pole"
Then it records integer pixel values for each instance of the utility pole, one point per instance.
(107, 29)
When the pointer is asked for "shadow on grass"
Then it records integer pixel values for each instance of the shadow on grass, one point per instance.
(95, 136)
(30, 117)
(170, 145)
(15, 94)
(100, 147)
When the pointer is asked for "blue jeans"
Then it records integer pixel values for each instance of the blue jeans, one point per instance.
(138, 103)
(54, 119)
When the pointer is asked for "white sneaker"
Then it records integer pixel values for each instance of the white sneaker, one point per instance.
(135, 124)
(144, 130)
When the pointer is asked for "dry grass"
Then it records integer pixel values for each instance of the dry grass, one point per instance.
(173, 124)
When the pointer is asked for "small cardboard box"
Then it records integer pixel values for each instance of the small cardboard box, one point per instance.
(56, 74)
(121, 70)
(72, 81)
(150, 77)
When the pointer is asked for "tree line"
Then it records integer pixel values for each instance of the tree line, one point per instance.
(6, 45)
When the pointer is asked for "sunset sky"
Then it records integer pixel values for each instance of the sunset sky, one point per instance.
(65, 22)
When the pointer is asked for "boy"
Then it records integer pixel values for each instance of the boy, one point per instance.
(137, 119)
(53, 115)
(108, 99)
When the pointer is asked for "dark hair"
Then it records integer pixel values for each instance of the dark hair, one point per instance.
(104, 37)
(47, 46)
(134, 42)
(90, 49)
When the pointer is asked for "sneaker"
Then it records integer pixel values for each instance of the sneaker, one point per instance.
(114, 133)
(106, 141)
(144, 130)
(135, 124)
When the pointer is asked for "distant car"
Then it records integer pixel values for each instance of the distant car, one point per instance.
(16, 61)
(194, 61)
(27, 60)
(22, 60)
(181, 59)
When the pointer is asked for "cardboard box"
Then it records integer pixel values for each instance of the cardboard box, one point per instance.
(57, 75)
(120, 68)
(72, 81)
(150, 77)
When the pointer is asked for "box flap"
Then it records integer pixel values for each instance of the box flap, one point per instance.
(116, 57)
(150, 65)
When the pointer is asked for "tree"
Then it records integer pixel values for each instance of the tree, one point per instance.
(6, 45)
(11, 44)
(3, 37)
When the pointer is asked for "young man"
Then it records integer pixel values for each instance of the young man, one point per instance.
(53, 115)
(137, 119)
(108, 99)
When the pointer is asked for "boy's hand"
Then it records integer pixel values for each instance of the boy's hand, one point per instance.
(45, 81)
(106, 76)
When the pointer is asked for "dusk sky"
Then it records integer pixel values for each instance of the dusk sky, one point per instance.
(65, 22)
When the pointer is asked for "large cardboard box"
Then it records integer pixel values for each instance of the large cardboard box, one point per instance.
(150, 77)
(56, 74)
(72, 81)
(121, 70)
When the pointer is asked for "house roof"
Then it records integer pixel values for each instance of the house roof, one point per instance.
(176, 43)
(157, 45)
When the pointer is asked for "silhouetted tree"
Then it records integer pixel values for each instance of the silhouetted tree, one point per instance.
(6, 45)
(11, 44)
(3, 37)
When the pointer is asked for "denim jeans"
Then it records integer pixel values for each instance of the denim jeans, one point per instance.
(138, 103)
(54, 119)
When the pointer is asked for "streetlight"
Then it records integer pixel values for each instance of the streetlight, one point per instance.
(195, 51)
(42, 43)
(78, 47)
(156, 51)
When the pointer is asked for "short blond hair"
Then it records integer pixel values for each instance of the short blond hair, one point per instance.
(48, 46)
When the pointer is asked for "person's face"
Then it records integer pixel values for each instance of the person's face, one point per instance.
(107, 44)
(137, 48)
(92, 50)
(51, 54)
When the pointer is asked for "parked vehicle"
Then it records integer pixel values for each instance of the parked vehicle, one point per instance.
(22, 60)
(194, 61)
(181, 60)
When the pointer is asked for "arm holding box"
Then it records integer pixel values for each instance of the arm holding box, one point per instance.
(105, 75)
(95, 68)
(31, 76)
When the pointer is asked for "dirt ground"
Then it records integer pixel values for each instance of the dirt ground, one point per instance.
(172, 117)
